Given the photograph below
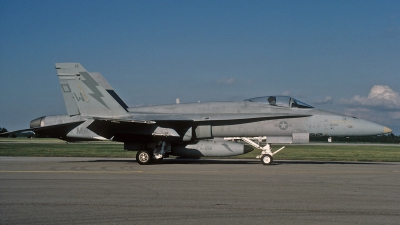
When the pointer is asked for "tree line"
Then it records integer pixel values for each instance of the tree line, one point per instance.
(385, 138)
(3, 130)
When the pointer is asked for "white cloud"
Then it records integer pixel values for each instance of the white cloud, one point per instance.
(287, 93)
(380, 96)
(326, 100)
(226, 81)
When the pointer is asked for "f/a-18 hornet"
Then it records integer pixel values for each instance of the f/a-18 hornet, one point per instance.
(96, 112)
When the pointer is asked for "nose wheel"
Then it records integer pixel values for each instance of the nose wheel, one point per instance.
(266, 151)
(266, 159)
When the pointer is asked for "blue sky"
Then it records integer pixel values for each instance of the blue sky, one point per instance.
(341, 56)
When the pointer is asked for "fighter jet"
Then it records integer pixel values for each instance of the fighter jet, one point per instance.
(96, 112)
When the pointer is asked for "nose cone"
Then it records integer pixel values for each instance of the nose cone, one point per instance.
(387, 130)
(366, 128)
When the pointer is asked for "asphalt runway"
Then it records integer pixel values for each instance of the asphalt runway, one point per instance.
(119, 191)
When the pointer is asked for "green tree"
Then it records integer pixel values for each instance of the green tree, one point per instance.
(3, 130)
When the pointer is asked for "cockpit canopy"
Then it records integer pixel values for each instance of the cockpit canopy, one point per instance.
(280, 101)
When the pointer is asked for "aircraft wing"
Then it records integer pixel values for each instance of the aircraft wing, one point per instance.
(145, 125)
(198, 118)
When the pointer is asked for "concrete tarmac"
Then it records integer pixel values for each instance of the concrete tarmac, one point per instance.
(119, 191)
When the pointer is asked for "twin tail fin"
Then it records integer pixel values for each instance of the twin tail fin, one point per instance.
(88, 94)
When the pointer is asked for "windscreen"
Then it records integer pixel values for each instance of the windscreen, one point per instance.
(281, 101)
(299, 104)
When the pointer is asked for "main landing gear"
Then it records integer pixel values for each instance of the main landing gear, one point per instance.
(266, 151)
(143, 157)
(156, 155)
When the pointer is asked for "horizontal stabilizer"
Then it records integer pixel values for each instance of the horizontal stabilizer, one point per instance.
(52, 130)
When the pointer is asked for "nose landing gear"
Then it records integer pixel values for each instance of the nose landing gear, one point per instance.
(266, 151)
(266, 159)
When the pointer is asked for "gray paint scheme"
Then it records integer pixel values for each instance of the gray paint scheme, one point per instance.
(70, 104)
(102, 116)
(90, 98)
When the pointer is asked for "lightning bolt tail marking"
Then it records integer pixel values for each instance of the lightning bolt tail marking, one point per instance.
(92, 85)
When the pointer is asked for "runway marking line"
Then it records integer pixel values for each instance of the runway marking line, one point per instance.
(66, 171)
(189, 172)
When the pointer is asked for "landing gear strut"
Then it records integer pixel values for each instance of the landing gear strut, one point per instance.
(266, 151)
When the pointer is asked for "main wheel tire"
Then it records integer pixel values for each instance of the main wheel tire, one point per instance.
(143, 157)
(267, 159)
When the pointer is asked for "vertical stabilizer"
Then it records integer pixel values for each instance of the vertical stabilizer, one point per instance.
(85, 94)
(104, 83)
(70, 104)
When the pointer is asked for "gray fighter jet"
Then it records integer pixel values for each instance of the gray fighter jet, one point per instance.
(96, 112)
